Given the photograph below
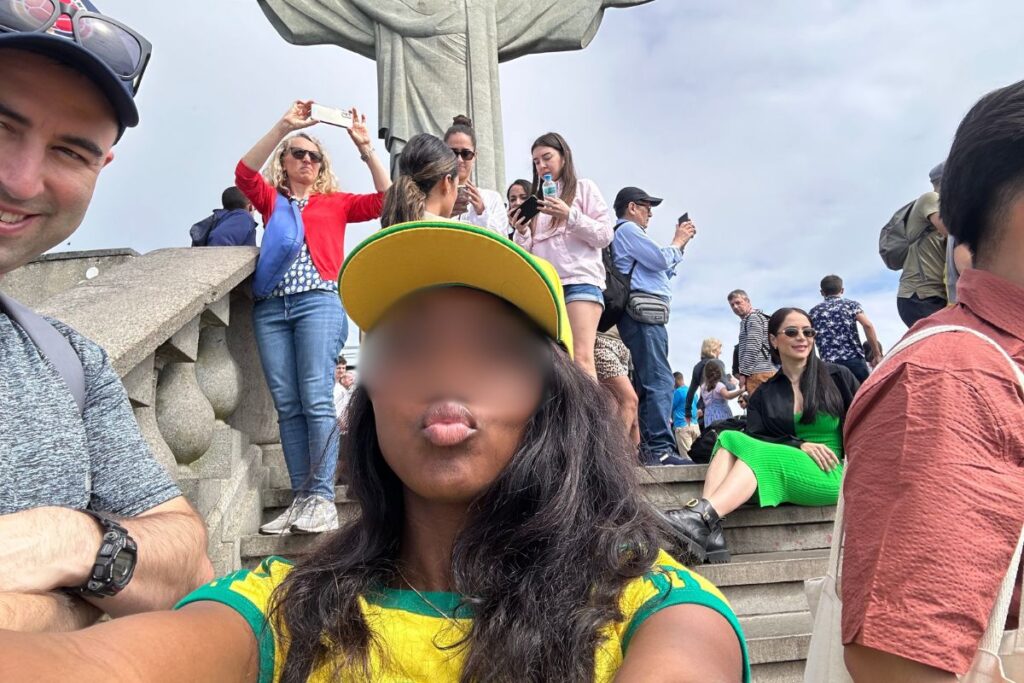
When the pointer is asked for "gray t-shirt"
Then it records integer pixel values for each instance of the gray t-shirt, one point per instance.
(52, 455)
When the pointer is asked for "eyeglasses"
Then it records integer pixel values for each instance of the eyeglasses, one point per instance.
(646, 207)
(466, 154)
(119, 47)
(299, 154)
(794, 332)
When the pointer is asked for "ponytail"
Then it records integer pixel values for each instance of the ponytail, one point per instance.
(404, 201)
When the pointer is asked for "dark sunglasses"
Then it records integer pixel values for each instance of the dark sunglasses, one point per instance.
(300, 154)
(794, 332)
(119, 47)
(466, 154)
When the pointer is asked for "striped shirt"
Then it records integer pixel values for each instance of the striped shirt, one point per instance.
(755, 355)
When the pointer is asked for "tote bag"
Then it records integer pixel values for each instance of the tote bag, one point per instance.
(1000, 656)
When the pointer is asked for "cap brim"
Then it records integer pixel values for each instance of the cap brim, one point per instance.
(74, 55)
(655, 201)
(410, 257)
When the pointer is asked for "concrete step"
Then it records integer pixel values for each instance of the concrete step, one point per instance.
(767, 583)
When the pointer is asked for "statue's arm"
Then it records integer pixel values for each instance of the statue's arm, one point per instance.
(550, 25)
(318, 22)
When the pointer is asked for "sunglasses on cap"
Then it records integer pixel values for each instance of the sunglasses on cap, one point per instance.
(465, 154)
(794, 332)
(123, 50)
(300, 154)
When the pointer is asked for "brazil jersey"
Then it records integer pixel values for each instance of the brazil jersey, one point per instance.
(418, 638)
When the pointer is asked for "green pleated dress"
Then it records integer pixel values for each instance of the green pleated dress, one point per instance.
(786, 474)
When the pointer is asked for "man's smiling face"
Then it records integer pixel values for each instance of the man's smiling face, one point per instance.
(56, 134)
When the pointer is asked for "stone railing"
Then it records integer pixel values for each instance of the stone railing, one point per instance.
(177, 325)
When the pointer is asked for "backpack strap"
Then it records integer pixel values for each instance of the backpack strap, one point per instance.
(51, 344)
(611, 251)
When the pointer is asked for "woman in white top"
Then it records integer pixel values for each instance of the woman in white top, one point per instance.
(475, 205)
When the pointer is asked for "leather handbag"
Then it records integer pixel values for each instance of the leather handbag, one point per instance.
(647, 308)
(1000, 655)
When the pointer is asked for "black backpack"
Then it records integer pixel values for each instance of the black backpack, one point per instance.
(616, 289)
(701, 449)
(200, 232)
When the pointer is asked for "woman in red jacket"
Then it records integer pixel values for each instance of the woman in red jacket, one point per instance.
(299, 322)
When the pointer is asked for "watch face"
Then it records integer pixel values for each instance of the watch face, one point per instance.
(122, 567)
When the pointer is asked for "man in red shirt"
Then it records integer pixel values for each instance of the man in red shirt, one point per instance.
(934, 487)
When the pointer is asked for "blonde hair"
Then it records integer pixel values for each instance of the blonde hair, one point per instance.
(710, 347)
(325, 183)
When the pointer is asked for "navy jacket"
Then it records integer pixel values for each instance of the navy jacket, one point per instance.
(234, 228)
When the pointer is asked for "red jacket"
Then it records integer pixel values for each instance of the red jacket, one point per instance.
(324, 219)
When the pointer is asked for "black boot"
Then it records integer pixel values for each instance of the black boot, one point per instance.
(699, 533)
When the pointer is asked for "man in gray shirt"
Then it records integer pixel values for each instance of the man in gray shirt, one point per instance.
(90, 522)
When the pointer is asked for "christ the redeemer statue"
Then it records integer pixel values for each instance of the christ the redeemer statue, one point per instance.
(439, 58)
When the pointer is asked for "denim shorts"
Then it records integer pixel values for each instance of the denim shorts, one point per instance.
(591, 293)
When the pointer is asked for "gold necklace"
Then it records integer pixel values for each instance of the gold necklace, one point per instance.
(450, 619)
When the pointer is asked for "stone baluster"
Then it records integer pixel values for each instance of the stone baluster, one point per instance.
(140, 382)
(183, 413)
(217, 372)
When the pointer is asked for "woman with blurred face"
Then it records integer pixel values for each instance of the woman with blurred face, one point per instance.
(499, 526)
(792, 449)
(478, 206)
(572, 228)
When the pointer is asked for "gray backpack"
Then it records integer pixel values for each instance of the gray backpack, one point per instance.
(51, 344)
(893, 242)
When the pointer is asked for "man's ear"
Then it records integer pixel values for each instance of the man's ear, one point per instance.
(109, 158)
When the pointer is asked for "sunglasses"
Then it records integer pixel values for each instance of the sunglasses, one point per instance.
(794, 332)
(300, 154)
(119, 47)
(465, 154)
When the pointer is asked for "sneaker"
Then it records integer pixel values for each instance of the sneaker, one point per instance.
(282, 524)
(318, 516)
(666, 458)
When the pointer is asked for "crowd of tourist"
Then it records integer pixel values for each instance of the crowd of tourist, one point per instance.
(491, 438)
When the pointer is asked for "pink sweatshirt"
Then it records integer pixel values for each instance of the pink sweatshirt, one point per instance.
(574, 247)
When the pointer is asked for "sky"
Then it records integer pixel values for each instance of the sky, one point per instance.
(790, 130)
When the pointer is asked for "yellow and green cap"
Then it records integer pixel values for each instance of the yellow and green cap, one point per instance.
(395, 262)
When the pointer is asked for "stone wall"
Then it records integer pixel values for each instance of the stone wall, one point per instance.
(51, 274)
(177, 325)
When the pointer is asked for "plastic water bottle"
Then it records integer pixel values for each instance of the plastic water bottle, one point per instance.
(548, 187)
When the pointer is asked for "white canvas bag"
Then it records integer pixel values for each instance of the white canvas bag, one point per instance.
(1000, 656)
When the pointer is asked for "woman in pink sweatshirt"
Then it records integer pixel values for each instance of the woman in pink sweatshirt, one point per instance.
(570, 231)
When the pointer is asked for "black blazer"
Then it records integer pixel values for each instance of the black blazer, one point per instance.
(770, 410)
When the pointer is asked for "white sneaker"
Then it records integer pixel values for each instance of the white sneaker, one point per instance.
(318, 516)
(282, 524)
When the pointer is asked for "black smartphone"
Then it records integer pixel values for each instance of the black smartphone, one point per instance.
(686, 217)
(528, 209)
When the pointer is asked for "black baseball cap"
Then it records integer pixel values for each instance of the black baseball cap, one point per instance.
(633, 194)
(59, 44)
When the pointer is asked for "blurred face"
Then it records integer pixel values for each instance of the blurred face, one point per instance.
(56, 135)
(303, 170)
(548, 160)
(348, 380)
(454, 376)
(460, 143)
(640, 213)
(740, 305)
(517, 194)
(339, 373)
(792, 341)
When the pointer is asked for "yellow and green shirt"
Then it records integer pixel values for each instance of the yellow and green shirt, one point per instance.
(417, 636)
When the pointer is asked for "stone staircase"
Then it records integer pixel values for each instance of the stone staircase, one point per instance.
(774, 550)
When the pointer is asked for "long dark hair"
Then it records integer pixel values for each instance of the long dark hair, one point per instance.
(712, 375)
(542, 560)
(816, 384)
(424, 162)
(568, 177)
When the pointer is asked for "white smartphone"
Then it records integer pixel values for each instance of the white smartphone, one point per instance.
(331, 116)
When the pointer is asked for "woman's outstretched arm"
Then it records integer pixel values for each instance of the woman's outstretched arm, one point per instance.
(204, 642)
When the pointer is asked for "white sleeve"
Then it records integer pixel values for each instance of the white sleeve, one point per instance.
(494, 217)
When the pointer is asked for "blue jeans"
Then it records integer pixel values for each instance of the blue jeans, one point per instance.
(299, 337)
(653, 381)
(858, 366)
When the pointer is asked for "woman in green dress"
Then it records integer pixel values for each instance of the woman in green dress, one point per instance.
(792, 449)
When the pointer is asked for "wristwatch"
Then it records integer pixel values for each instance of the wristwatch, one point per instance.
(115, 560)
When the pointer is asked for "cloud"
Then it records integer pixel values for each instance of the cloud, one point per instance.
(789, 130)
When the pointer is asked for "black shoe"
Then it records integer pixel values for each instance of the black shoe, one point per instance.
(666, 458)
(699, 532)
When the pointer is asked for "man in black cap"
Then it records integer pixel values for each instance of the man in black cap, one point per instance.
(90, 522)
(643, 327)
